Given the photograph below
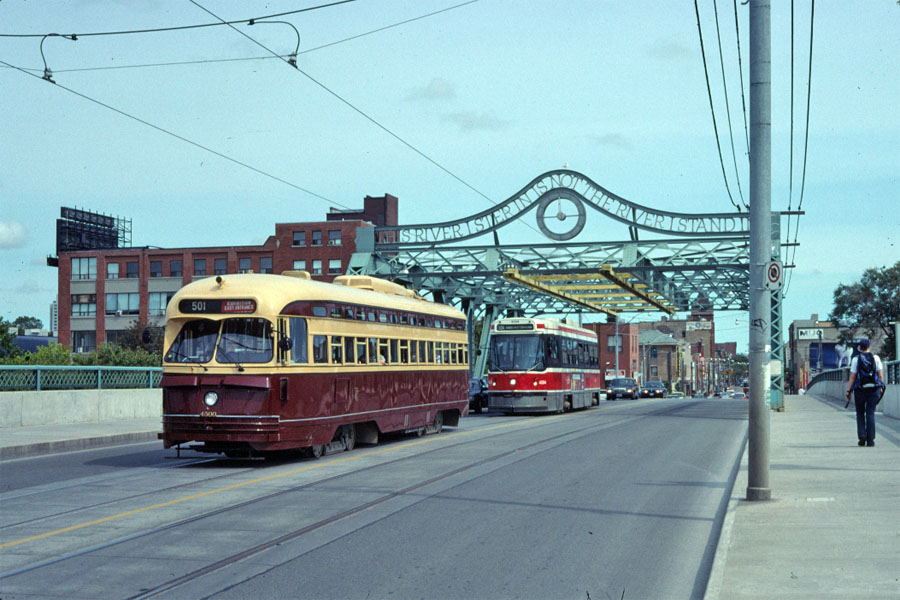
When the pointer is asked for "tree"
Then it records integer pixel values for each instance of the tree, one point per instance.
(871, 305)
(8, 346)
(24, 323)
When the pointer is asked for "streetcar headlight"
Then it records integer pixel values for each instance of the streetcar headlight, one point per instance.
(210, 398)
(512, 381)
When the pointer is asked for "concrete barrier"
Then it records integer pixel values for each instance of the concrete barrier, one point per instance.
(28, 409)
(837, 390)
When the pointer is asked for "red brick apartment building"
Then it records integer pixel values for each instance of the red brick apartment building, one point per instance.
(101, 292)
(628, 348)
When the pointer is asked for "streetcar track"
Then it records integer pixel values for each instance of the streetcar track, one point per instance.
(34, 566)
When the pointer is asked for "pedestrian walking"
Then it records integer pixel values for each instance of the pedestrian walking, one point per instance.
(866, 383)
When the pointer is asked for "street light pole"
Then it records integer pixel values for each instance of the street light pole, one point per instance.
(760, 248)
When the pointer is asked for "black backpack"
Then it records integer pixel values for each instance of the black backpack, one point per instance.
(866, 374)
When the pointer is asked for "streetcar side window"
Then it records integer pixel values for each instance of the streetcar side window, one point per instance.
(337, 350)
(395, 356)
(320, 349)
(348, 350)
(431, 352)
(453, 355)
(319, 311)
(361, 350)
(373, 351)
(299, 343)
(404, 352)
(413, 355)
(384, 356)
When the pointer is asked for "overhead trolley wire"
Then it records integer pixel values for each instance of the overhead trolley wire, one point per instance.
(712, 109)
(737, 36)
(812, 18)
(178, 137)
(737, 175)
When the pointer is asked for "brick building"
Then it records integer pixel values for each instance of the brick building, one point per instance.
(102, 292)
(628, 348)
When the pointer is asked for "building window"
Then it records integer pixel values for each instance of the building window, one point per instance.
(299, 265)
(175, 268)
(317, 267)
(265, 264)
(653, 353)
(244, 265)
(316, 238)
(654, 371)
(84, 268)
(334, 238)
(334, 266)
(84, 341)
(84, 305)
(123, 304)
(112, 270)
(131, 270)
(199, 266)
(157, 302)
(219, 265)
(299, 239)
(155, 268)
(611, 343)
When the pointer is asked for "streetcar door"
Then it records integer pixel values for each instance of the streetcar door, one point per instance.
(341, 394)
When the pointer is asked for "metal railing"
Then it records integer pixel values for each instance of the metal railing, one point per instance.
(891, 373)
(47, 377)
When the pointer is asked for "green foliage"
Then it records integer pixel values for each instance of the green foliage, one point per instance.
(52, 354)
(132, 338)
(24, 323)
(116, 355)
(8, 348)
(871, 305)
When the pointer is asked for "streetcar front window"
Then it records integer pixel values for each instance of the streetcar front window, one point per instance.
(195, 342)
(516, 353)
(245, 341)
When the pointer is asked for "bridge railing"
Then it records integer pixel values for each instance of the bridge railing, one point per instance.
(47, 377)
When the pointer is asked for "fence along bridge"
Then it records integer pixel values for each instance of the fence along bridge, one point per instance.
(694, 261)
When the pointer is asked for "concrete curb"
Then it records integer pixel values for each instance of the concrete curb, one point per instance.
(44, 448)
(717, 572)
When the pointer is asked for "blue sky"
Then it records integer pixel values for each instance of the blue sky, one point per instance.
(495, 91)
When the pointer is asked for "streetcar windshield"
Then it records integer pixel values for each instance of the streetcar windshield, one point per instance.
(515, 353)
(245, 341)
(195, 342)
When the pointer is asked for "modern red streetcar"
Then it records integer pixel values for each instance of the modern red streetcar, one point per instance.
(542, 365)
(258, 363)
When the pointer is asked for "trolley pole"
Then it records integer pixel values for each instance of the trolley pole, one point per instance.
(760, 248)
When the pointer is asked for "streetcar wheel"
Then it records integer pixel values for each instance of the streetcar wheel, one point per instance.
(348, 436)
(420, 432)
(438, 422)
(316, 451)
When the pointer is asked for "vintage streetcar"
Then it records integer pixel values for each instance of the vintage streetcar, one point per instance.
(257, 364)
(542, 366)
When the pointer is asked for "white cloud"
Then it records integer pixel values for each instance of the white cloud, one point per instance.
(437, 89)
(12, 234)
(472, 121)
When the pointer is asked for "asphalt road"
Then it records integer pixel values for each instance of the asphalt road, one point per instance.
(627, 498)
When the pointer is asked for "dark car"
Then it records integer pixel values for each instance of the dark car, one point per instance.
(623, 387)
(654, 389)
(478, 400)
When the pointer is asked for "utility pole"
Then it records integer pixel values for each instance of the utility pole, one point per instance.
(760, 247)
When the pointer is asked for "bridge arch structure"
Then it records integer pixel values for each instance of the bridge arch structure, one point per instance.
(691, 262)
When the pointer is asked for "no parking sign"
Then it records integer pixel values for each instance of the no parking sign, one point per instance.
(774, 275)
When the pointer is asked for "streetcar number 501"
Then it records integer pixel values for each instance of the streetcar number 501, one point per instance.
(198, 306)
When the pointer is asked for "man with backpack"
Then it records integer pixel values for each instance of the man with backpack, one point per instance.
(867, 381)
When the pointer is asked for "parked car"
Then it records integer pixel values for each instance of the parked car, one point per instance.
(698, 395)
(478, 400)
(676, 395)
(623, 387)
(739, 395)
(654, 389)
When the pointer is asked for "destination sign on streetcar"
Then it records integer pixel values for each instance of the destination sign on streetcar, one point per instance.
(217, 307)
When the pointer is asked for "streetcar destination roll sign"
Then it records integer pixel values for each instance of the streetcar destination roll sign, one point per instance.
(229, 306)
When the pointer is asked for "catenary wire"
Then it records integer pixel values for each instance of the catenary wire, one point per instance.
(712, 110)
(267, 57)
(812, 19)
(737, 174)
(182, 27)
(358, 110)
(737, 37)
(180, 137)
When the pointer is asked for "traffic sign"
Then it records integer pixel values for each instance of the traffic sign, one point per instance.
(774, 275)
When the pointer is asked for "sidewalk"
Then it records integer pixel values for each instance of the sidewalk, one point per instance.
(832, 528)
(22, 442)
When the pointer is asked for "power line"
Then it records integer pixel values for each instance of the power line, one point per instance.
(179, 137)
(737, 36)
(181, 27)
(267, 57)
(355, 109)
(737, 175)
(712, 110)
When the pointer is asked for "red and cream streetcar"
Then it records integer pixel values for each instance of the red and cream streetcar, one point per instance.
(542, 365)
(258, 363)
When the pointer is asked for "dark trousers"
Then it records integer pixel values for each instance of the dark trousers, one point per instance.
(866, 399)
